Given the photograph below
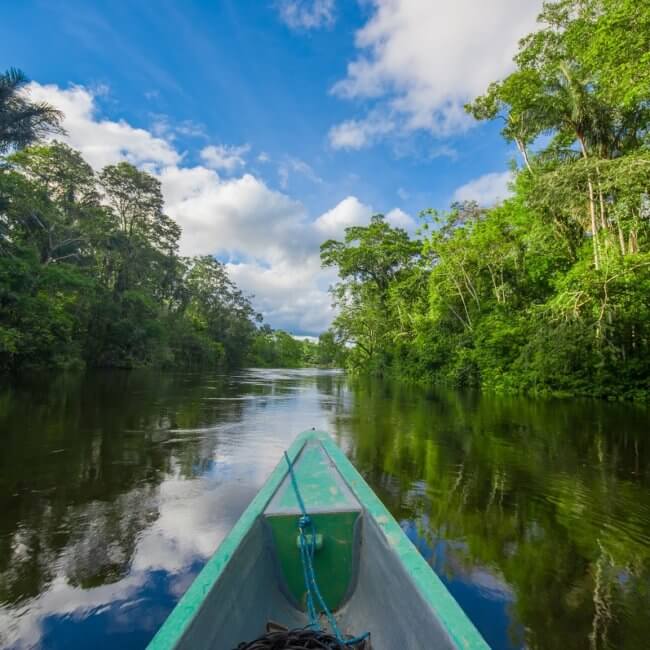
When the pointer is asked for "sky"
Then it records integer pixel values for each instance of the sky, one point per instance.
(274, 124)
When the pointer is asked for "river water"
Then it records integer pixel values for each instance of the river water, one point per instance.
(116, 487)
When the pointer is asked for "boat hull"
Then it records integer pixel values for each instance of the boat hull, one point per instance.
(386, 587)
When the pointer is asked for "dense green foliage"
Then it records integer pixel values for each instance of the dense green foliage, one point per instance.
(550, 291)
(91, 274)
(277, 349)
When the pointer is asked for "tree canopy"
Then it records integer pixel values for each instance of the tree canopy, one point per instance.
(550, 291)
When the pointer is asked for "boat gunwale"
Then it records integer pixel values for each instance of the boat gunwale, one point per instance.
(451, 616)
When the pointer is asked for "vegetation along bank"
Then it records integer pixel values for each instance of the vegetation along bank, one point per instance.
(547, 293)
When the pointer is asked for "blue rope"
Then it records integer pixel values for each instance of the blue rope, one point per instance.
(307, 550)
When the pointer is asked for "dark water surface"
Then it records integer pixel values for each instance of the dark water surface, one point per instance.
(115, 488)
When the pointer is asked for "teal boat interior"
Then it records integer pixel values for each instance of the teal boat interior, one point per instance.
(369, 574)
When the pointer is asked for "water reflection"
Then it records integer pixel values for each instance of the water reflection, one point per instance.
(116, 487)
(543, 506)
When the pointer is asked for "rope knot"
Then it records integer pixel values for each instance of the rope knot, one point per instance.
(304, 522)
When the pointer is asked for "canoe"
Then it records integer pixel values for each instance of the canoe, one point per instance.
(369, 575)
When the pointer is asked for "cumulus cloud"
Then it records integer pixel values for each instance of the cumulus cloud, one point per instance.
(486, 190)
(307, 14)
(269, 233)
(419, 62)
(224, 157)
(352, 212)
(236, 216)
(291, 296)
(104, 141)
(349, 212)
(399, 219)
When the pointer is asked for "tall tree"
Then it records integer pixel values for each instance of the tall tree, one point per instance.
(369, 260)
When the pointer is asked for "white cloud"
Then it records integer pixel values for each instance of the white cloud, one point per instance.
(224, 157)
(307, 14)
(419, 62)
(292, 296)
(104, 141)
(443, 151)
(352, 212)
(399, 219)
(236, 216)
(349, 212)
(268, 233)
(486, 190)
(295, 165)
(162, 127)
(357, 134)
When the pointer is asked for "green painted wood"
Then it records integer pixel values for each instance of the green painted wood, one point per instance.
(459, 628)
(320, 484)
(333, 563)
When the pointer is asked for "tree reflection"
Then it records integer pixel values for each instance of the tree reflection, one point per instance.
(551, 497)
(82, 460)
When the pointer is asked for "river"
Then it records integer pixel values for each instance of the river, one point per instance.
(116, 487)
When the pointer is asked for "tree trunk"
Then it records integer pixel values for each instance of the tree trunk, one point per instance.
(632, 243)
(524, 153)
(594, 225)
(621, 237)
(603, 220)
(592, 206)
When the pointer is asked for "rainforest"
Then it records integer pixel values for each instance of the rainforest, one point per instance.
(547, 292)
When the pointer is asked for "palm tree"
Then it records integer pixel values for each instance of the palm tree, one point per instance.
(22, 121)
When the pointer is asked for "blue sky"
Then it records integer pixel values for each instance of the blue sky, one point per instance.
(273, 124)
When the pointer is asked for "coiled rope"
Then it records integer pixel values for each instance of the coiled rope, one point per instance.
(299, 639)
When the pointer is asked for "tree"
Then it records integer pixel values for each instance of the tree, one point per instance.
(90, 273)
(369, 260)
(145, 239)
(569, 84)
(218, 308)
(52, 202)
(330, 353)
(376, 253)
(23, 122)
(547, 292)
